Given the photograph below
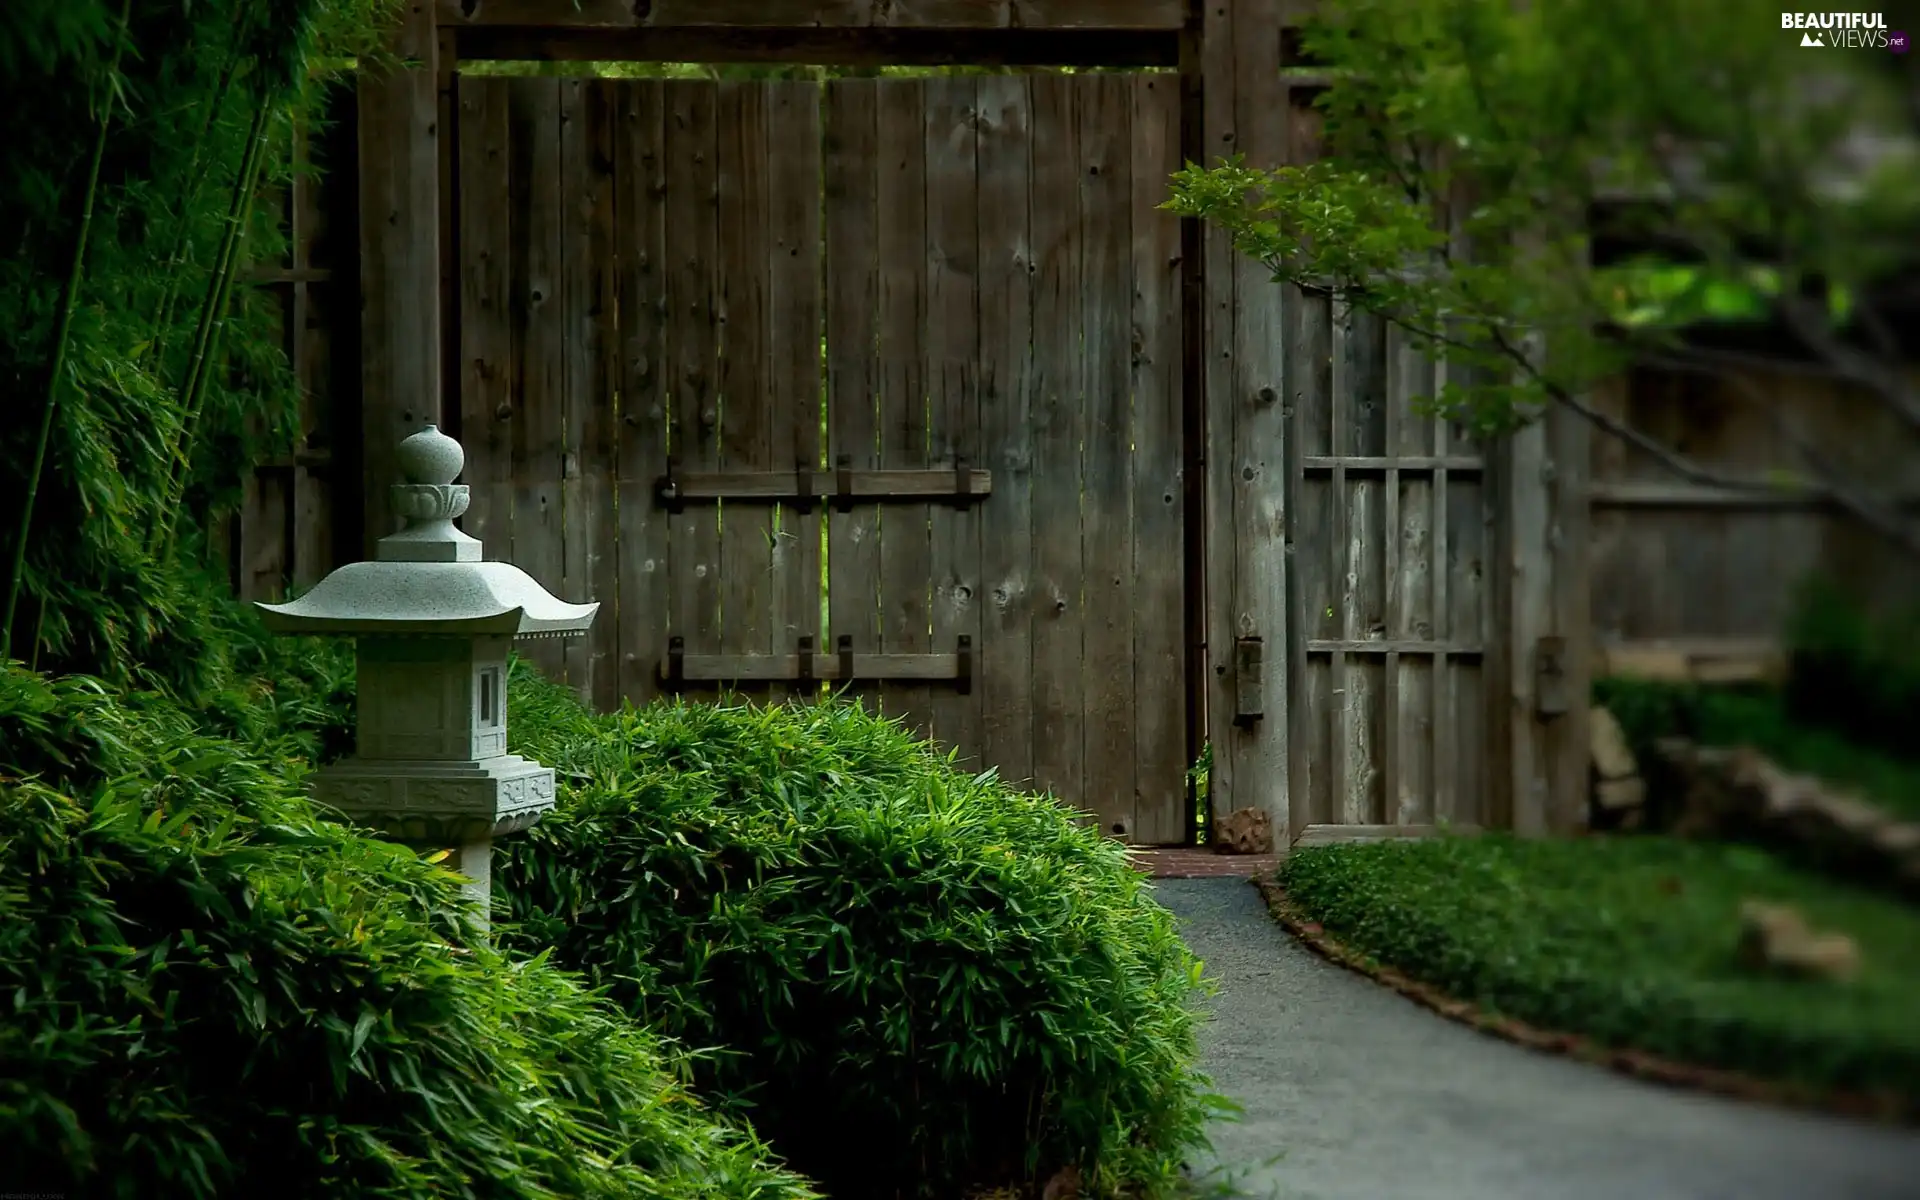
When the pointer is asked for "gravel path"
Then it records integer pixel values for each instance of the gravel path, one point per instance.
(1367, 1096)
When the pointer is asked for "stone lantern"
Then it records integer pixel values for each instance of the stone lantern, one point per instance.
(434, 624)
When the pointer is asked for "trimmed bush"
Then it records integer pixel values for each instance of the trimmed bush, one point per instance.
(1855, 673)
(1631, 941)
(916, 981)
(213, 993)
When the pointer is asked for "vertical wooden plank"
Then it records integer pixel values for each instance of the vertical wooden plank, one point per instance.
(692, 345)
(1611, 544)
(1219, 138)
(537, 225)
(1104, 141)
(1568, 539)
(398, 115)
(793, 348)
(1360, 401)
(446, 70)
(1262, 121)
(906, 562)
(1159, 521)
(311, 554)
(953, 340)
(640, 236)
(746, 530)
(1410, 794)
(1005, 651)
(1058, 618)
(1524, 615)
(487, 308)
(1445, 783)
(588, 283)
(1311, 547)
(851, 187)
(1469, 619)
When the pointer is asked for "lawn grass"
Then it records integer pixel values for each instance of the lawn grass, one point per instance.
(1631, 941)
(1736, 717)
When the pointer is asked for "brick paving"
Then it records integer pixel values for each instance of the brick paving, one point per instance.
(1198, 862)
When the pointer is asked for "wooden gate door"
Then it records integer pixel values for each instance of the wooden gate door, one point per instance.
(874, 385)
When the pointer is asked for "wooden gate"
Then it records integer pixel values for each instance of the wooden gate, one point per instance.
(875, 384)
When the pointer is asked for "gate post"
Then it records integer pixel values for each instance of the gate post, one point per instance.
(1247, 111)
(400, 216)
(1538, 633)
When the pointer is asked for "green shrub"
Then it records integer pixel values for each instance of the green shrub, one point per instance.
(1854, 672)
(1713, 716)
(1631, 941)
(212, 993)
(916, 981)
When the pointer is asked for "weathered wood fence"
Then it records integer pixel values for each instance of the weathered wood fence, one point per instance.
(909, 385)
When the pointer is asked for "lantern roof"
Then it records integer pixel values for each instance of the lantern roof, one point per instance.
(429, 578)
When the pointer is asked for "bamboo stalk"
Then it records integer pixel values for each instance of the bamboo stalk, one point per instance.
(206, 354)
(183, 226)
(63, 331)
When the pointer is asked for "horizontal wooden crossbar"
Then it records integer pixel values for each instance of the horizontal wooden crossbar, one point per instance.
(1653, 493)
(1692, 660)
(767, 668)
(679, 668)
(1390, 646)
(831, 47)
(1168, 15)
(842, 486)
(1360, 464)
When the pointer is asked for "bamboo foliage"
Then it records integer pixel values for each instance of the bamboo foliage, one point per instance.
(57, 357)
(146, 382)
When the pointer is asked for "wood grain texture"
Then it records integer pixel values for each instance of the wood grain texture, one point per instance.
(1005, 261)
(643, 549)
(1159, 510)
(800, 14)
(1057, 421)
(900, 234)
(589, 311)
(795, 316)
(744, 369)
(1220, 137)
(693, 301)
(398, 112)
(1256, 382)
(1104, 141)
(488, 336)
(953, 341)
(539, 416)
(851, 187)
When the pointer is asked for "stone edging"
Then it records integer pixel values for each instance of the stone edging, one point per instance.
(1636, 1063)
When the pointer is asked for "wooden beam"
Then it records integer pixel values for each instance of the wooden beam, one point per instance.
(1168, 15)
(866, 487)
(1636, 493)
(829, 46)
(773, 668)
(1692, 660)
(1390, 645)
(398, 118)
(1365, 463)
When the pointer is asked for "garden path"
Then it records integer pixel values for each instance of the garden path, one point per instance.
(1368, 1096)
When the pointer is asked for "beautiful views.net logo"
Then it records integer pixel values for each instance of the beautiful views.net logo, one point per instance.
(1857, 31)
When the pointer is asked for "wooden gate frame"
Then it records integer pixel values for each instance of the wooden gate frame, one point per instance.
(1232, 89)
